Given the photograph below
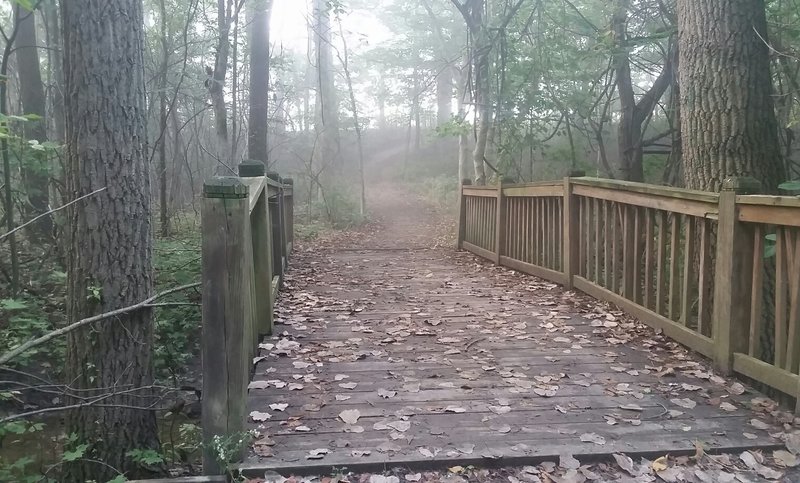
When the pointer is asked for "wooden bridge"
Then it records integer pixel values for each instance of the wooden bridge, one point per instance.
(399, 353)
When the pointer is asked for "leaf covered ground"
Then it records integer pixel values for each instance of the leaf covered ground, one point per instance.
(394, 348)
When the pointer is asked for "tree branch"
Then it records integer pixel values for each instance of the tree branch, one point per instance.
(89, 320)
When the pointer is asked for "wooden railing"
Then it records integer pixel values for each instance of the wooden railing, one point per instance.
(696, 265)
(246, 242)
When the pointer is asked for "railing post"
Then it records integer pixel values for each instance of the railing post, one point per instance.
(289, 215)
(226, 311)
(570, 250)
(277, 236)
(734, 266)
(262, 252)
(500, 224)
(462, 214)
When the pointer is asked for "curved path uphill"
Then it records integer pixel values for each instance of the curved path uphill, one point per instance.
(395, 350)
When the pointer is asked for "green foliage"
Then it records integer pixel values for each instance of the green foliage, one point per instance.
(339, 207)
(790, 186)
(145, 457)
(177, 262)
(28, 319)
(227, 449)
(441, 191)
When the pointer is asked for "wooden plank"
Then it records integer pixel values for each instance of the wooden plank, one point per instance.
(481, 252)
(674, 279)
(541, 272)
(650, 189)
(649, 260)
(500, 224)
(462, 218)
(262, 263)
(628, 238)
(704, 279)
(226, 310)
(697, 208)
(781, 304)
(687, 286)
(607, 255)
(768, 200)
(661, 265)
(765, 373)
(757, 293)
(793, 286)
(638, 265)
(573, 229)
(256, 185)
(597, 241)
(770, 215)
(687, 337)
(480, 191)
(545, 191)
(615, 259)
(734, 260)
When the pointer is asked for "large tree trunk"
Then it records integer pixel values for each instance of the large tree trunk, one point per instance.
(35, 174)
(728, 123)
(110, 234)
(259, 80)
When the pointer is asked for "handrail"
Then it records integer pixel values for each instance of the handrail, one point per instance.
(245, 248)
(656, 252)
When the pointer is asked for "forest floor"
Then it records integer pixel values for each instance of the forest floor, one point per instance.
(400, 359)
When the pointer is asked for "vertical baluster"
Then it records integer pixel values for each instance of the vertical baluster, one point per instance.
(661, 277)
(649, 249)
(688, 266)
(674, 280)
(757, 293)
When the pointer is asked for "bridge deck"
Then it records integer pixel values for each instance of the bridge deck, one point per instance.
(444, 359)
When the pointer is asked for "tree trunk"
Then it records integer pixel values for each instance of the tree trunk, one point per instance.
(444, 96)
(327, 107)
(35, 172)
(728, 123)
(162, 123)
(259, 81)
(110, 235)
(216, 80)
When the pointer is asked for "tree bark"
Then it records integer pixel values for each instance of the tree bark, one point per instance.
(163, 113)
(216, 80)
(259, 81)
(110, 234)
(728, 124)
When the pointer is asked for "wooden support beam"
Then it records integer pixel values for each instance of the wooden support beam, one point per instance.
(571, 219)
(226, 311)
(462, 214)
(277, 235)
(500, 224)
(262, 253)
(732, 292)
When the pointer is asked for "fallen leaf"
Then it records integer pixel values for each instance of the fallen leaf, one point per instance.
(684, 403)
(360, 453)
(279, 407)
(348, 385)
(341, 397)
(350, 416)
(625, 462)
(259, 416)
(401, 426)
(737, 389)
(568, 462)
(659, 464)
(302, 429)
(593, 438)
(501, 428)
(455, 409)
(414, 477)
(386, 394)
(466, 448)
(785, 458)
(258, 385)
(758, 424)
(425, 452)
(317, 454)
